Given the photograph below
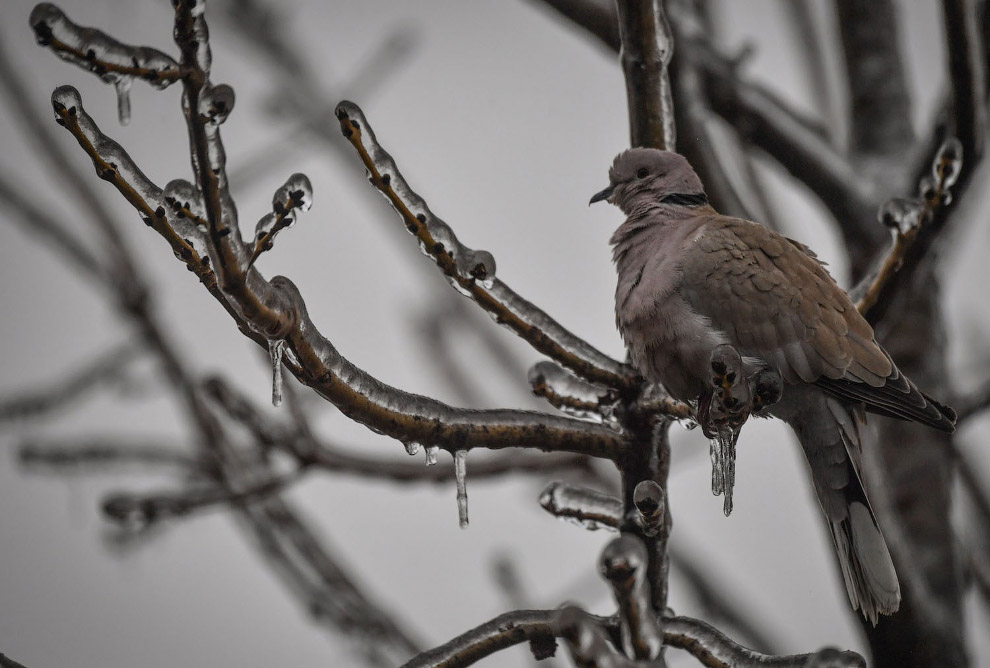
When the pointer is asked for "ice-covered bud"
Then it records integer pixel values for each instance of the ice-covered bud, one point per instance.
(182, 198)
(901, 214)
(66, 99)
(623, 563)
(216, 103)
(295, 193)
(412, 448)
(768, 387)
(648, 498)
(948, 162)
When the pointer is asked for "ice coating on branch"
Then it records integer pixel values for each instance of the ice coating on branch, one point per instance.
(216, 103)
(192, 34)
(276, 347)
(468, 263)
(180, 200)
(116, 163)
(431, 455)
(179, 194)
(902, 214)
(722, 449)
(585, 507)
(569, 393)
(123, 89)
(295, 193)
(412, 448)
(460, 475)
(99, 53)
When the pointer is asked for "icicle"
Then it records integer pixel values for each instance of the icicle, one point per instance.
(412, 448)
(275, 349)
(460, 474)
(722, 449)
(123, 88)
(431, 455)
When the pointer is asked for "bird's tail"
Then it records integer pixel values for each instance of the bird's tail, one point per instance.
(830, 437)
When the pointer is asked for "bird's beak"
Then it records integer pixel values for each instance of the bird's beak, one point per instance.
(603, 195)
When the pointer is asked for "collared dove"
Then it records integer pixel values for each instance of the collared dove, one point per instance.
(691, 280)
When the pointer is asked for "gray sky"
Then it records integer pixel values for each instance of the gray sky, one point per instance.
(505, 122)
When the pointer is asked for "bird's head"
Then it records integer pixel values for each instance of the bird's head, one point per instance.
(648, 175)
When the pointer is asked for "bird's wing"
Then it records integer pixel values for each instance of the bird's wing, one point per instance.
(775, 300)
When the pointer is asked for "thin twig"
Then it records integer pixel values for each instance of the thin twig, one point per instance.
(106, 369)
(473, 272)
(104, 452)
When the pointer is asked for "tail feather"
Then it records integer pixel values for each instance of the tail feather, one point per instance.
(831, 440)
(867, 570)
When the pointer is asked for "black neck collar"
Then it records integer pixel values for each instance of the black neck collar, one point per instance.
(686, 199)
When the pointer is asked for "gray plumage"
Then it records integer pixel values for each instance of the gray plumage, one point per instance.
(690, 279)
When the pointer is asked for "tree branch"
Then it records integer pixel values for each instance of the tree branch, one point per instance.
(473, 272)
(647, 47)
(107, 368)
(967, 75)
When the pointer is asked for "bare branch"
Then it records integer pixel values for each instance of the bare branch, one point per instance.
(714, 598)
(647, 47)
(973, 403)
(107, 368)
(104, 452)
(35, 220)
(715, 650)
(140, 510)
(329, 593)
(598, 17)
(965, 52)
(798, 144)
(914, 223)
(881, 105)
(473, 272)
(7, 662)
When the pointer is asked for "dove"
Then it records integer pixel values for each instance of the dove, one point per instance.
(692, 281)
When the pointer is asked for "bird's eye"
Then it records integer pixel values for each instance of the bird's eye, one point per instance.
(642, 173)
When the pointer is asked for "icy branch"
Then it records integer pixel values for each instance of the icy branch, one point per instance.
(586, 507)
(623, 563)
(99, 53)
(276, 310)
(569, 394)
(715, 650)
(472, 272)
(967, 73)
(647, 47)
(913, 222)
